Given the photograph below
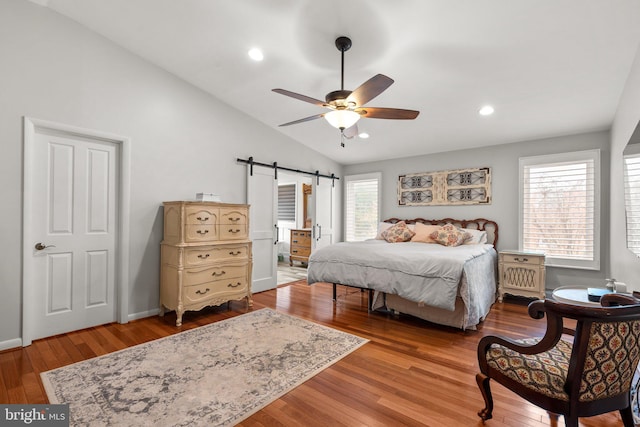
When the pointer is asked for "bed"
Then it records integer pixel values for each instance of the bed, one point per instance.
(448, 285)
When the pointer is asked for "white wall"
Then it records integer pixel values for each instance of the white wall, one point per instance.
(183, 140)
(503, 159)
(625, 266)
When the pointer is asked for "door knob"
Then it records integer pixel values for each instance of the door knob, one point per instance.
(39, 246)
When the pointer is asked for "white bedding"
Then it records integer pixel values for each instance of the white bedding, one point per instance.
(428, 274)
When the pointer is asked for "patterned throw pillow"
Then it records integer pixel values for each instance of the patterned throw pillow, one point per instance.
(399, 232)
(450, 235)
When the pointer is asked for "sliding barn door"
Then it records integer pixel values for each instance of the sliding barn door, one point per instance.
(322, 212)
(262, 195)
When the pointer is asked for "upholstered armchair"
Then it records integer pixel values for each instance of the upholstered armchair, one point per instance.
(586, 375)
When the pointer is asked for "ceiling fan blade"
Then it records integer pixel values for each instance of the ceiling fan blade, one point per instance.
(300, 97)
(387, 113)
(370, 89)
(351, 132)
(306, 119)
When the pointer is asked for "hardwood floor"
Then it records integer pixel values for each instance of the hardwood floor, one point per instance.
(411, 372)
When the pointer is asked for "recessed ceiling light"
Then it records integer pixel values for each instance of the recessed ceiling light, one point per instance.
(487, 110)
(256, 54)
(363, 135)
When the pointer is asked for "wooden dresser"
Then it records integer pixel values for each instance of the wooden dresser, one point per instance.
(521, 273)
(205, 256)
(300, 245)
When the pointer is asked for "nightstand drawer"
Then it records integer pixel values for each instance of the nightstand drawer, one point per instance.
(522, 259)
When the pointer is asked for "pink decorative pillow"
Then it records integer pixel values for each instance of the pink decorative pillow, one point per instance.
(423, 233)
(398, 232)
(450, 235)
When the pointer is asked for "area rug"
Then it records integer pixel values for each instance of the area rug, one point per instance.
(214, 375)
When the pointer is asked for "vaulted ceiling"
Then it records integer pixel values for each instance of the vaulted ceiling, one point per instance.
(548, 67)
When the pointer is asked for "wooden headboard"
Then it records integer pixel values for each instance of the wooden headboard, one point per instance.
(491, 227)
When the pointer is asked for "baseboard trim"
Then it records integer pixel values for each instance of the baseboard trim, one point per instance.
(143, 314)
(9, 344)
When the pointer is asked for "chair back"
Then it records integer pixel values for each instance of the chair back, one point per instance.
(611, 352)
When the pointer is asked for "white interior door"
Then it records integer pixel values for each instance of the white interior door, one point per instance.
(70, 246)
(322, 212)
(262, 195)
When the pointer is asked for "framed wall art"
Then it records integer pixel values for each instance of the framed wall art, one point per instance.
(452, 187)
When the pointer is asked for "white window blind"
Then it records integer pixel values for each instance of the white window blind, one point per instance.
(362, 206)
(560, 208)
(287, 202)
(632, 200)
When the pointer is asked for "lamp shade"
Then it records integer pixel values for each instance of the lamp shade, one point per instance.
(342, 119)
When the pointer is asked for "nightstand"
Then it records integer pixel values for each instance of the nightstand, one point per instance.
(521, 273)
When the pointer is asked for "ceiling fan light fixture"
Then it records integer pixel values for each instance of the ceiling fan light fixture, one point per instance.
(342, 119)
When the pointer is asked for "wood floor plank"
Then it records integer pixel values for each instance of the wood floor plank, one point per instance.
(411, 373)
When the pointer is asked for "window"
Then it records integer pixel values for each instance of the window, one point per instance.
(362, 206)
(287, 202)
(560, 208)
(632, 200)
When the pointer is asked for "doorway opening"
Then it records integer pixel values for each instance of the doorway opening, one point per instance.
(294, 227)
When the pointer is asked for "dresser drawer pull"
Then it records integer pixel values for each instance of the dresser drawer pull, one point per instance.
(234, 231)
(235, 253)
(205, 256)
(214, 274)
(234, 219)
(521, 260)
(202, 231)
(199, 292)
(202, 219)
(295, 251)
(295, 241)
(231, 285)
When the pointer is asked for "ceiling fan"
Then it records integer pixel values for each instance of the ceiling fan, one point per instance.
(347, 107)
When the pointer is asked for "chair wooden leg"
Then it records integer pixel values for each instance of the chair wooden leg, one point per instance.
(627, 417)
(485, 389)
(570, 420)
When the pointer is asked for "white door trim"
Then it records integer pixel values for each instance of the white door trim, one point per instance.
(124, 179)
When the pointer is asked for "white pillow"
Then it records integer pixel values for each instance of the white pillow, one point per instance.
(477, 237)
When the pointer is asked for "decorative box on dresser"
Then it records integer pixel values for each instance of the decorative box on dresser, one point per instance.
(521, 273)
(205, 256)
(300, 245)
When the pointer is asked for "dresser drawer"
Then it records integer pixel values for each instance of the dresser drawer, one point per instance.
(233, 216)
(522, 259)
(200, 233)
(211, 290)
(196, 276)
(203, 255)
(300, 234)
(234, 231)
(300, 251)
(201, 215)
(301, 241)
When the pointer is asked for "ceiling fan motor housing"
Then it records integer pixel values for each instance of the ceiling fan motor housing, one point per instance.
(338, 99)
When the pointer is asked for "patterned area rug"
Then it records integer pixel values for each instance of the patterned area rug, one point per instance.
(215, 375)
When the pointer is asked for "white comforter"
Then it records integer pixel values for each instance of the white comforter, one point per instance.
(420, 272)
